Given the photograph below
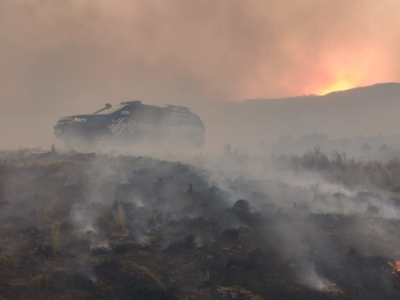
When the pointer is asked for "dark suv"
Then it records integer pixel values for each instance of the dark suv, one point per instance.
(133, 122)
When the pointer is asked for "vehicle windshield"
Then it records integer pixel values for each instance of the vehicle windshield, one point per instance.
(111, 110)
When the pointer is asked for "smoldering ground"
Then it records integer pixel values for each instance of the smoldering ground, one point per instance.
(177, 229)
(81, 225)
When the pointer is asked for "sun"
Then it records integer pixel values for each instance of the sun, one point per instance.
(339, 85)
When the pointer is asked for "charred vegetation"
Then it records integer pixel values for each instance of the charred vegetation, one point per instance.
(92, 226)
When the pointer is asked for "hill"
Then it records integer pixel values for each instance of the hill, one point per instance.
(370, 110)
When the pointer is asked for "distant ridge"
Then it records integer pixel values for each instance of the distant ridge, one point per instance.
(369, 110)
(375, 88)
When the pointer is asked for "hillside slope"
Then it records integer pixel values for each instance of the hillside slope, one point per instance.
(368, 110)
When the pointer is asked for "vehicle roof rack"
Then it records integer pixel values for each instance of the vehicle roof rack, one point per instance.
(177, 107)
(131, 102)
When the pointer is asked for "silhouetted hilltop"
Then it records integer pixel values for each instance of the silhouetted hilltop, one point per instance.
(370, 110)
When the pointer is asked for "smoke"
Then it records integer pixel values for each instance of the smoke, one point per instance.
(66, 57)
(305, 221)
(309, 277)
(70, 56)
(202, 50)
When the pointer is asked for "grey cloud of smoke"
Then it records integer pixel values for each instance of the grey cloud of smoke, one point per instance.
(69, 56)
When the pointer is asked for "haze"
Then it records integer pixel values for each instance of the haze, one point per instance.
(72, 56)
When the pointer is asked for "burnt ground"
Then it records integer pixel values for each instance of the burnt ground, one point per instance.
(184, 237)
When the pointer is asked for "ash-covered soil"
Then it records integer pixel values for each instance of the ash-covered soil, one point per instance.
(91, 226)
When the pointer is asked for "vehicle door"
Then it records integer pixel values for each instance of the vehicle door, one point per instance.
(120, 123)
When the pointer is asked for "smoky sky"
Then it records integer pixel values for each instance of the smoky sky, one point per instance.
(69, 55)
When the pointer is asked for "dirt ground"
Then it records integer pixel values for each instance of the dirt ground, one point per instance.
(91, 226)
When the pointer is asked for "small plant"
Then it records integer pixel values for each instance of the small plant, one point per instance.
(118, 219)
(53, 150)
(40, 281)
(203, 280)
(6, 262)
(55, 239)
(22, 155)
(55, 166)
(36, 281)
(153, 219)
(40, 215)
(42, 211)
(152, 275)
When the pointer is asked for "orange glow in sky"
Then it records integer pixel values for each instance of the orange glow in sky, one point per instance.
(338, 85)
(342, 70)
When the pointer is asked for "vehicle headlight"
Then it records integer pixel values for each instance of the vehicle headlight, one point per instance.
(79, 120)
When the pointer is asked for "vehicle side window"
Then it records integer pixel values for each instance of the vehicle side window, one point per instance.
(180, 118)
(150, 115)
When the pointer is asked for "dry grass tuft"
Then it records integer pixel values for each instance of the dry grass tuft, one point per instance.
(40, 216)
(40, 281)
(6, 262)
(340, 169)
(117, 219)
(203, 280)
(22, 155)
(53, 150)
(151, 274)
(43, 211)
(55, 239)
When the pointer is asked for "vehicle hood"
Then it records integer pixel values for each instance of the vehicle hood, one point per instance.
(90, 119)
(85, 116)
